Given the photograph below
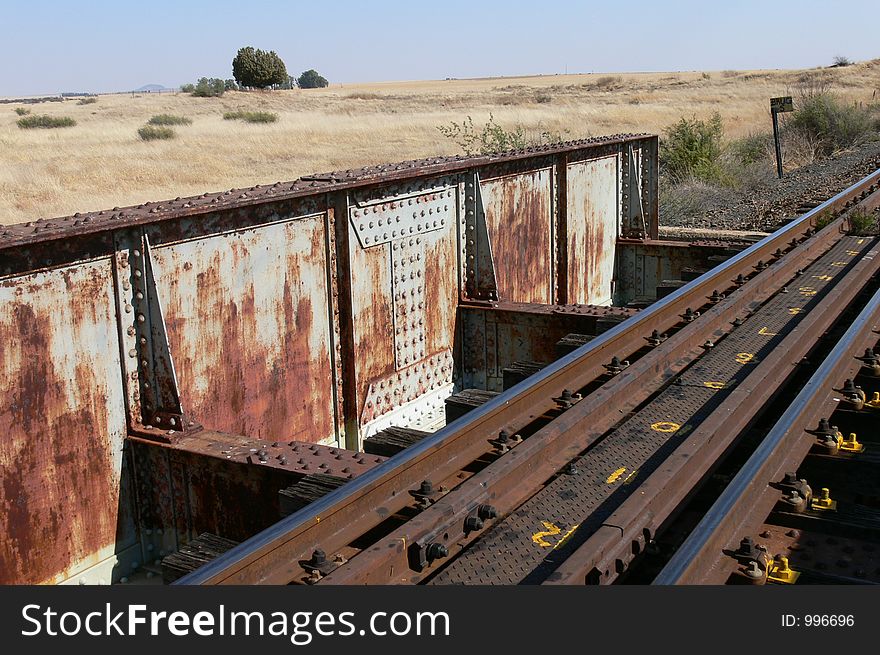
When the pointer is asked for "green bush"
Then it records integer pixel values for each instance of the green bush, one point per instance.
(692, 148)
(830, 123)
(251, 116)
(752, 148)
(152, 133)
(862, 223)
(492, 138)
(30, 122)
(311, 79)
(88, 101)
(21, 111)
(209, 87)
(187, 88)
(169, 119)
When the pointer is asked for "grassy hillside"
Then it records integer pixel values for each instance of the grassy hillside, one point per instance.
(101, 162)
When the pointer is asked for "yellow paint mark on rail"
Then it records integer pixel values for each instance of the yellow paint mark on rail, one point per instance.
(824, 278)
(807, 291)
(838, 264)
(715, 385)
(665, 426)
(550, 530)
(631, 476)
(794, 311)
(852, 253)
(763, 331)
(744, 358)
(614, 476)
(566, 535)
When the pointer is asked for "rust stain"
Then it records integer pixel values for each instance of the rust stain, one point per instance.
(592, 214)
(518, 212)
(63, 424)
(249, 331)
(371, 291)
(441, 291)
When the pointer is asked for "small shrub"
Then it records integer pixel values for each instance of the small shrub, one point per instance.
(840, 61)
(706, 76)
(491, 137)
(21, 111)
(728, 74)
(48, 122)
(363, 95)
(169, 119)
(153, 132)
(824, 220)
(608, 83)
(830, 123)
(251, 116)
(187, 88)
(543, 98)
(88, 101)
(752, 148)
(691, 148)
(862, 223)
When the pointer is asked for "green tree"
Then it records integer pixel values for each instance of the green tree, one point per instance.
(208, 87)
(257, 68)
(311, 79)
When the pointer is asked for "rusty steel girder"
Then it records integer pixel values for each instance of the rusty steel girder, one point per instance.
(316, 311)
(354, 509)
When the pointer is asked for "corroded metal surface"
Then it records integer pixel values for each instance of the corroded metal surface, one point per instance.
(518, 211)
(592, 229)
(248, 323)
(315, 311)
(62, 420)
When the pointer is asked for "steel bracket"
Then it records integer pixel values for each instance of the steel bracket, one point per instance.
(153, 399)
(479, 262)
(633, 210)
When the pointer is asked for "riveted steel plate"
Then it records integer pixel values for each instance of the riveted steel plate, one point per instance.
(408, 286)
(408, 215)
(391, 391)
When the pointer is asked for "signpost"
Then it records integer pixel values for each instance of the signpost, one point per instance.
(778, 105)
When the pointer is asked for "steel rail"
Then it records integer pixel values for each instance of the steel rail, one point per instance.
(700, 558)
(334, 521)
(625, 533)
(508, 481)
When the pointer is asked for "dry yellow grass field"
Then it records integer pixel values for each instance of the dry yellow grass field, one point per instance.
(101, 162)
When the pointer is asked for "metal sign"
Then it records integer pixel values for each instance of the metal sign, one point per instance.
(781, 104)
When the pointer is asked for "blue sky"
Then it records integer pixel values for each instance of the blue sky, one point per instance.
(53, 46)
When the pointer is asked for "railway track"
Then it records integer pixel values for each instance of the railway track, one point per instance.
(664, 449)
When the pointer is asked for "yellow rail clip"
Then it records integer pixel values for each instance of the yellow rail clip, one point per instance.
(852, 444)
(780, 571)
(824, 502)
(875, 401)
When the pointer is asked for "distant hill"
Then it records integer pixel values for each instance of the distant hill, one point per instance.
(152, 88)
